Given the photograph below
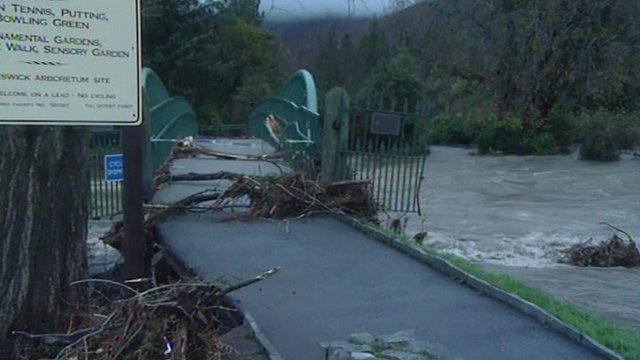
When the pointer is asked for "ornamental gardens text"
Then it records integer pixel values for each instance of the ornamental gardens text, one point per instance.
(31, 41)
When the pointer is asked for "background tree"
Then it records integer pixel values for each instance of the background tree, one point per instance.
(373, 51)
(327, 65)
(250, 68)
(397, 82)
(346, 63)
(214, 53)
(343, 61)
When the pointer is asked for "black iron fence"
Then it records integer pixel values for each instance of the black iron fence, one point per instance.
(106, 199)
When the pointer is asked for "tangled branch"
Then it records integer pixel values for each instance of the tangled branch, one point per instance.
(181, 320)
(285, 196)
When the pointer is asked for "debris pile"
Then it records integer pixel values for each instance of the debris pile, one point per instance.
(180, 320)
(294, 195)
(613, 252)
(286, 196)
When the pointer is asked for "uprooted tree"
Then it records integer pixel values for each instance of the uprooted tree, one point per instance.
(44, 192)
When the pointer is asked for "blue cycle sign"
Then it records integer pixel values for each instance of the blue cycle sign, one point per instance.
(113, 168)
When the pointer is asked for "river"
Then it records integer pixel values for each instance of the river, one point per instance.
(523, 210)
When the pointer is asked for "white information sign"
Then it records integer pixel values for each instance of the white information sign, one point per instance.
(70, 62)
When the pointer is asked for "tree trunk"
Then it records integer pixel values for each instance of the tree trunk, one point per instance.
(44, 198)
(506, 71)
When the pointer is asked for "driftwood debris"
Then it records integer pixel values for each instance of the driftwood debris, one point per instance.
(181, 320)
(294, 195)
(116, 234)
(613, 252)
(284, 196)
(222, 175)
(191, 149)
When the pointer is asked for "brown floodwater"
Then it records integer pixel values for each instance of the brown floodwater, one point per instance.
(523, 210)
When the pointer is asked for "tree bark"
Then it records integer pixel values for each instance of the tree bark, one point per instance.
(506, 71)
(44, 205)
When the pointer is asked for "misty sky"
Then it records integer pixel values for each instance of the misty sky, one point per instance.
(295, 9)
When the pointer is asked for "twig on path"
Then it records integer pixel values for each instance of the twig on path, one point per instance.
(106, 281)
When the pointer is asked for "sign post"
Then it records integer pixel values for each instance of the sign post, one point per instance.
(133, 248)
(77, 62)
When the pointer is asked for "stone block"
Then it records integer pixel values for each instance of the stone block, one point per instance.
(332, 346)
(339, 354)
(396, 340)
(401, 355)
(362, 339)
(418, 346)
(362, 356)
(437, 351)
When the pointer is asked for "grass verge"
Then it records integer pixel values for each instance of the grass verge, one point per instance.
(623, 341)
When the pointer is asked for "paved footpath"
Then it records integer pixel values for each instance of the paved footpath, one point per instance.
(335, 281)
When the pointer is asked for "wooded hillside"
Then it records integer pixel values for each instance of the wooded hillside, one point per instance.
(511, 76)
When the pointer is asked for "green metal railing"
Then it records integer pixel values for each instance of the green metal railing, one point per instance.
(224, 130)
(290, 121)
(106, 200)
(167, 119)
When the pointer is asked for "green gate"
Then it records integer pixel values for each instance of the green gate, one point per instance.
(386, 145)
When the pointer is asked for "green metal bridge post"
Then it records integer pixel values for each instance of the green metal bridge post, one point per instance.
(335, 133)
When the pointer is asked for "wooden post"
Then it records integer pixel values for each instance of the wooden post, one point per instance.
(335, 133)
(133, 248)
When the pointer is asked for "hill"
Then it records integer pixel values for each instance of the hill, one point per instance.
(513, 77)
(302, 38)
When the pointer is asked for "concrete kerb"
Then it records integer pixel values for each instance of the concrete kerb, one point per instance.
(444, 266)
(186, 272)
(262, 339)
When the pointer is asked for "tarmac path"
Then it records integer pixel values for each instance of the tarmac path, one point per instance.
(335, 281)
